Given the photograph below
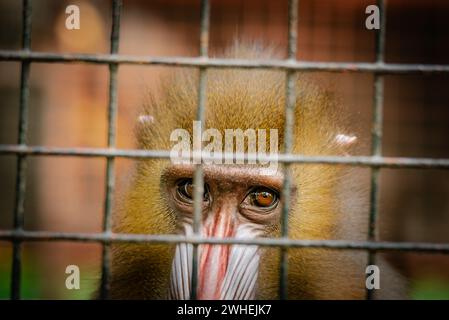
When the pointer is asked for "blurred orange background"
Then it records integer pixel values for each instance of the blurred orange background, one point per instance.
(68, 108)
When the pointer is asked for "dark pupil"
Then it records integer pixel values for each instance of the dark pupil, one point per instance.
(187, 189)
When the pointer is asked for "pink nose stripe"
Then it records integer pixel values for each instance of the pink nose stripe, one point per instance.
(214, 258)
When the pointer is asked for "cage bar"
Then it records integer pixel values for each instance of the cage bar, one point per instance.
(376, 138)
(376, 161)
(112, 128)
(290, 102)
(360, 161)
(198, 180)
(21, 158)
(304, 66)
(435, 248)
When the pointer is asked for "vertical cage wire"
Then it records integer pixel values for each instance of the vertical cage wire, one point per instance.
(112, 128)
(21, 159)
(376, 138)
(198, 180)
(290, 102)
(377, 162)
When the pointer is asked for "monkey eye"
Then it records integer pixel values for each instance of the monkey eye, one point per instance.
(185, 189)
(263, 197)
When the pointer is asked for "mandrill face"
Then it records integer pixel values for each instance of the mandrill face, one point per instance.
(237, 202)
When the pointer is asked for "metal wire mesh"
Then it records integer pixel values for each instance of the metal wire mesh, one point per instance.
(379, 68)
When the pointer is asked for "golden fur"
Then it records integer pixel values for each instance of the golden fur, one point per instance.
(242, 99)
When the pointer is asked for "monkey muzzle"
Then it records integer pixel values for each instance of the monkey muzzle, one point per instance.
(225, 272)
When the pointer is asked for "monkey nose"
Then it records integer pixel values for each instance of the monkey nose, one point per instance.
(214, 259)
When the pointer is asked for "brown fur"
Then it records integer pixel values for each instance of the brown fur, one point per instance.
(243, 99)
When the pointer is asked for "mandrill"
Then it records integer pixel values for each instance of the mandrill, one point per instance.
(239, 200)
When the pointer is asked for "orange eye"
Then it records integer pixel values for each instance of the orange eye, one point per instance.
(264, 198)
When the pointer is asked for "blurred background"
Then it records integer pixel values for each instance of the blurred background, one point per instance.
(68, 108)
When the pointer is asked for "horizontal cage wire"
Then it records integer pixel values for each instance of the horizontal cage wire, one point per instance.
(303, 66)
(376, 161)
(363, 161)
(11, 235)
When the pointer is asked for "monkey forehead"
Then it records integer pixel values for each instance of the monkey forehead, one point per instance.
(240, 174)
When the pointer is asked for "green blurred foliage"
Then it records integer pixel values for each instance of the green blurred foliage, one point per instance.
(430, 289)
(37, 286)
